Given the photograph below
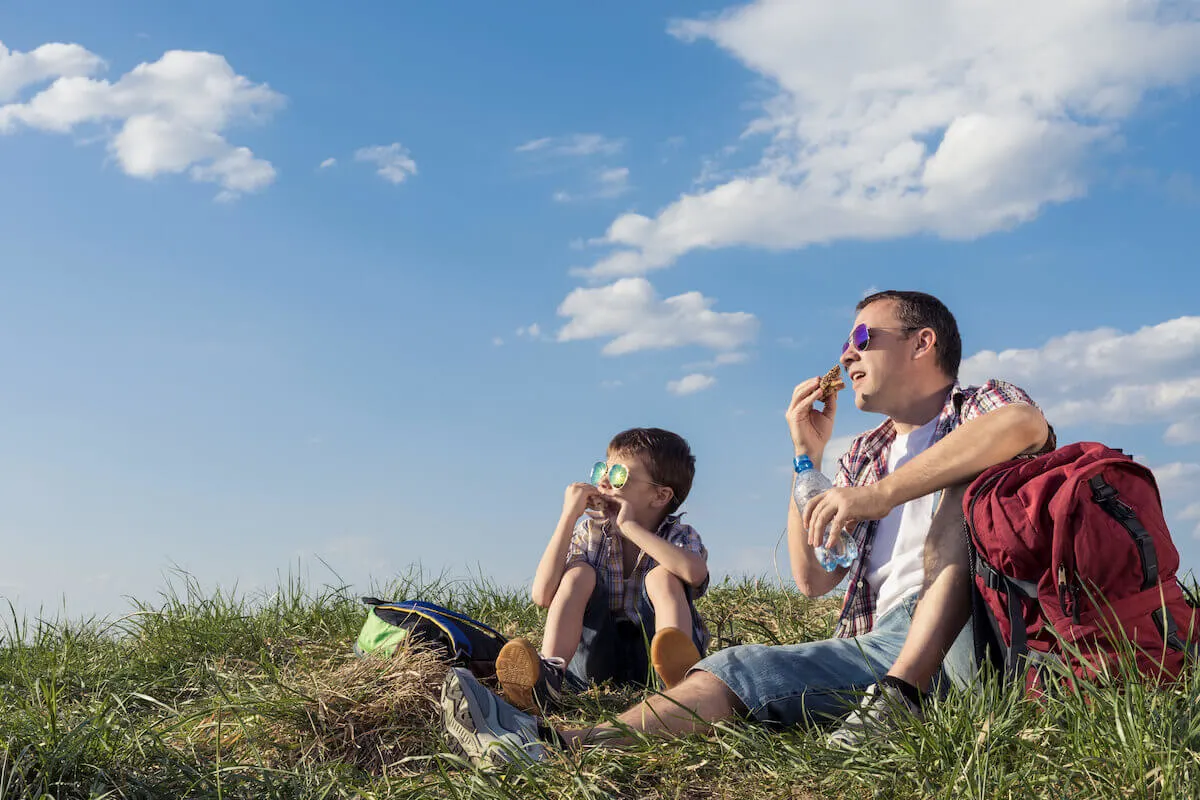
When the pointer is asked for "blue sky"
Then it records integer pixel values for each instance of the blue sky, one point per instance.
(290, 289)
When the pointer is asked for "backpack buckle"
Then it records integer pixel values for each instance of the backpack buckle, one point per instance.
(1103, 492)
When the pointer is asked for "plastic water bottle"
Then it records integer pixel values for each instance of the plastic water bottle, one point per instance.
(810, 483)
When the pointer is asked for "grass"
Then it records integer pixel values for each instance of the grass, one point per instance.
(211, 695)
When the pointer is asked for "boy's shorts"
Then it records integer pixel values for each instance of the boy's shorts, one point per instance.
(617, 649)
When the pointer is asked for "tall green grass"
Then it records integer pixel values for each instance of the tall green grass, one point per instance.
(214, 695)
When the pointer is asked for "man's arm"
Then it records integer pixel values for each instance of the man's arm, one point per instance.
(810, 430)
(962, 454)
(811, 578)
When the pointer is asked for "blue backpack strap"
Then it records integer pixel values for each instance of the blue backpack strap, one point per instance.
(459, 617)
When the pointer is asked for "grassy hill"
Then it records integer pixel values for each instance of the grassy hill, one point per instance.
(211, 696)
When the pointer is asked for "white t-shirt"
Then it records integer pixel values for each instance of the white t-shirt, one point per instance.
(895, 567)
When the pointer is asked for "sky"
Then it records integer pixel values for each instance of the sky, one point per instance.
(337, 292)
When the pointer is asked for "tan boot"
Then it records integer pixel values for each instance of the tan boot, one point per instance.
(673, 653)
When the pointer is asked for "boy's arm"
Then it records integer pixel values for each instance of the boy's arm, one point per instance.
(554, 560)
(687, 565)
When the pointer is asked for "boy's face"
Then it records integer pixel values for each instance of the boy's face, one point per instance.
(639, 491)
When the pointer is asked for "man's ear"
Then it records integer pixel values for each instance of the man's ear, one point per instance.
(923, 342)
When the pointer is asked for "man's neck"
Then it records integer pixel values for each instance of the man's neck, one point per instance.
(923, 408)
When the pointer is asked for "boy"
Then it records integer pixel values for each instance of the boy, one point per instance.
(619, 567)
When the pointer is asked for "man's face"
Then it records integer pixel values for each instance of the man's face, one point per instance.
(877, 371)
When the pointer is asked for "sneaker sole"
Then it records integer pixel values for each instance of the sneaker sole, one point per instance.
(461, 719)
(518, 669)
(673, 653)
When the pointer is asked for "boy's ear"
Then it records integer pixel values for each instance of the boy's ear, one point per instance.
(663, 496)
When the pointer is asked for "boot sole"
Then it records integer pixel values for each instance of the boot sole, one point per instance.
(518, 669)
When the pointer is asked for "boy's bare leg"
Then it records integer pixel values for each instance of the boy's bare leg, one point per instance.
(564, 621)
(945, 601)
(691, 707)
(669, 599)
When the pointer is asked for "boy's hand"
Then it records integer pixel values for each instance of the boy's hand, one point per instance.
(577, 499)
(617, 509)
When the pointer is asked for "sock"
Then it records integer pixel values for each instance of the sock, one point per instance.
(910, 692)
(549, 735)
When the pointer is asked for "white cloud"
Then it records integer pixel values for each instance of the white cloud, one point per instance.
(720, 360)
(957, 119)
(632, 317)
(605, 184)
(168, 116)
(690, 384)
(1177, 484)
(1186, 431)
(835, 449)
(50, 61)
(531, 331)
(576, 144)
(327, 163)
(1177, 481)
(394, 161)
(1104, 375)
(497, 341)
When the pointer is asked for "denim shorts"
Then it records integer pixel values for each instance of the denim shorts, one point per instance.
(616, 649)
(820, 681)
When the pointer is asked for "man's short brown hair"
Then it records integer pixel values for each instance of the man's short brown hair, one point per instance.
(921, 310)
(667, 456)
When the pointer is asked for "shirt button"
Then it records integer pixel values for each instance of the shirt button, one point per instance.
(859, 584)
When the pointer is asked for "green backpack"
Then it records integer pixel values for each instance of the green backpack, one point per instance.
(462, 641)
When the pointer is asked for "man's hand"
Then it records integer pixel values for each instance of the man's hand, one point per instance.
(810, 429)
(841, 509)
(577, 498)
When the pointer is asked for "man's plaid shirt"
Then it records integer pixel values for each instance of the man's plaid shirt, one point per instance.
(865, 463)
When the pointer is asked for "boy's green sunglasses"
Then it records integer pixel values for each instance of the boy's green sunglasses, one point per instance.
(618, 474)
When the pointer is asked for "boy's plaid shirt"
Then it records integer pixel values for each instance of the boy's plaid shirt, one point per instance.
(596, 543)
(865, 463)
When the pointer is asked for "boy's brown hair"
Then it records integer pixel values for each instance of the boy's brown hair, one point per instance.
(666, 455)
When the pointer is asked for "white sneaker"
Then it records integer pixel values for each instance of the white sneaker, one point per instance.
(882, 708)
(484, 727)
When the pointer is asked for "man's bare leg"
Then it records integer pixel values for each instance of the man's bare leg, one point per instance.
(691, 707)
(945, 603)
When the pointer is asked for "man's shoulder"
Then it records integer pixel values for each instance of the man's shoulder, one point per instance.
(869, 440)
(992, 393)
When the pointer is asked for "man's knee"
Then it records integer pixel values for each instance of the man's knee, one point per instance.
(709, 691)
(946, 545)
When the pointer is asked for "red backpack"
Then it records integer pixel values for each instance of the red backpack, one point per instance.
(1073, 561)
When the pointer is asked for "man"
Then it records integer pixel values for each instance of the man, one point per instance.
(902, 360)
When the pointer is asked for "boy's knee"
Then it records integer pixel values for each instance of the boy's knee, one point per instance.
(579, 579)
(661, 584)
